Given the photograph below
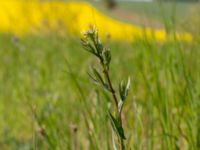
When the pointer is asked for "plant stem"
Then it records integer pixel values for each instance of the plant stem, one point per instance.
(121, 140)
(122, 144)
(111, 88)
(93, 45)
(106, 73)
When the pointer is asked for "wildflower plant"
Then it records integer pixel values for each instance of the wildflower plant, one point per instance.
(92, 44)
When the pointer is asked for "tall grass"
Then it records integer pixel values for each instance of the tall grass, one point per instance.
(48, 103)
(162, 112)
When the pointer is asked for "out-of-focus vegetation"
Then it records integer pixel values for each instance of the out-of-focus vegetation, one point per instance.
(36, 17)
(46, 101)
(191, 22)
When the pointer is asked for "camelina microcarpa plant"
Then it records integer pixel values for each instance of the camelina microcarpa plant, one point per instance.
(92, 44)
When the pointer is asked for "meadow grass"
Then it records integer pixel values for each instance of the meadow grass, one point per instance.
(47, 101)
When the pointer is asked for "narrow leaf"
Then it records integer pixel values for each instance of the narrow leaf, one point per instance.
(92, 78)
(124, 89)
(128, 84)
(120, 105)
(98, 76)
(99, 47)
(107, 57)
(117, 126)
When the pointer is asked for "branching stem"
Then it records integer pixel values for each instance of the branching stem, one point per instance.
(106, 73)
(107, 76)
(92, 44)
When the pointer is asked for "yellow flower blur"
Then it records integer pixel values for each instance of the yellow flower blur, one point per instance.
(25, 17)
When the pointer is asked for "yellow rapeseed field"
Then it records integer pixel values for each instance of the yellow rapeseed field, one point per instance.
(25, 17)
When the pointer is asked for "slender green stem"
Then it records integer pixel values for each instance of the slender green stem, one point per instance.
(93, 45)
(106, 73)
(122, 144)
(111, 88)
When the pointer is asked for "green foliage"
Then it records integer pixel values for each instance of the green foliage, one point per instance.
(123, 89)
(117, 126)
(47, 103)
(92, 44)
(191, 24)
